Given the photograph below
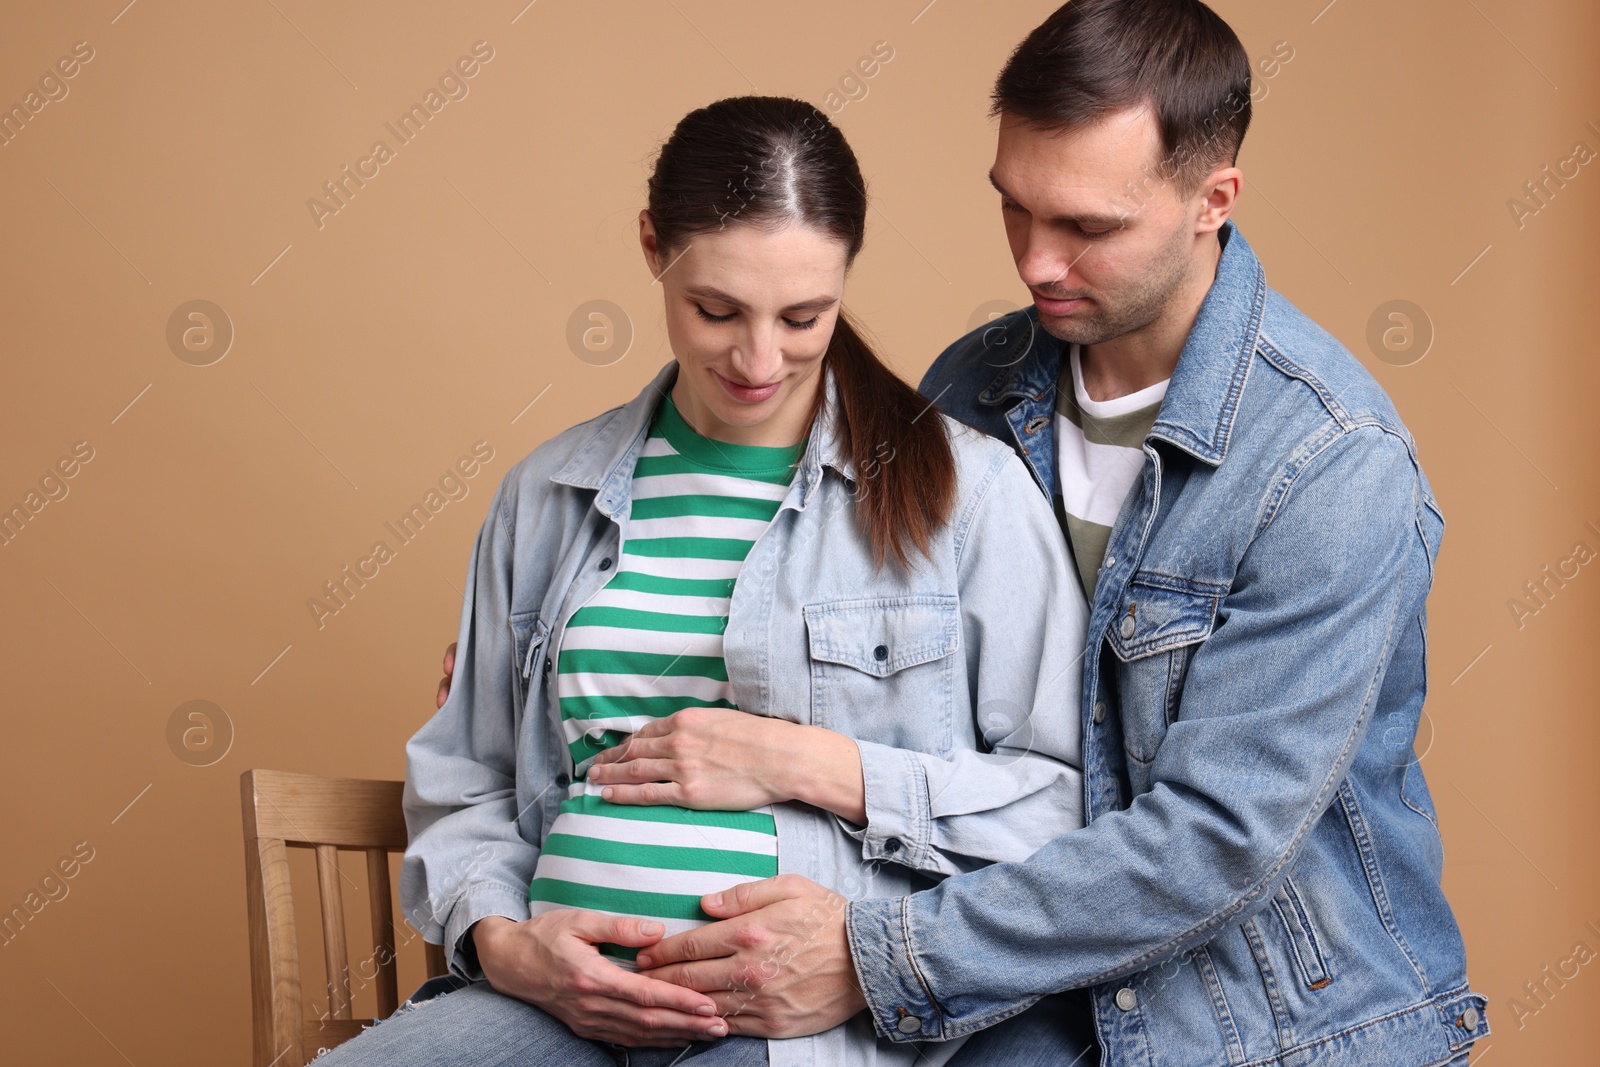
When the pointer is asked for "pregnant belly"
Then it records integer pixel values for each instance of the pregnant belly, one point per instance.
(649, 862)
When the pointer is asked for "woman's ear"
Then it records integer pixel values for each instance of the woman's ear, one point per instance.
(647, 242)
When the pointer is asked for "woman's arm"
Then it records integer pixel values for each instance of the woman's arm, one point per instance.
(1023, 625)
(720, 759)
(467, 866)
(466, 857)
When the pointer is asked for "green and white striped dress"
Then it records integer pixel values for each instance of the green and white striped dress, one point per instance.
(646, 645)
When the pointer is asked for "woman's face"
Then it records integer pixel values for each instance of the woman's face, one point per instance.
(749, 315)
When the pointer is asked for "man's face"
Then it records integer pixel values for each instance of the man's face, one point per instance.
(1099, 239)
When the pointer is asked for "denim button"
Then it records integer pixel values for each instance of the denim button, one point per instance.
(892, 845)
(1127, 999)
(605, 564)
(1127, 625)
(563, 779)
(908, 1024)
(1111, 561)
(880, 653)
(1099, 712)
(1469, 1018)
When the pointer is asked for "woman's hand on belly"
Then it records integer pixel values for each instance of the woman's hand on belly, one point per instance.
(550, 961)
(724, 759)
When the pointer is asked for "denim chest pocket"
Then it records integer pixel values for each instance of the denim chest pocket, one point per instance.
(883, 669)
(1160, 622)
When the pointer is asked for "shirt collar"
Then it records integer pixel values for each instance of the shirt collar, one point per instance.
(1202, 399)
(604, 460)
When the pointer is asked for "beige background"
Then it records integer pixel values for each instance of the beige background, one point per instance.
(431, 311)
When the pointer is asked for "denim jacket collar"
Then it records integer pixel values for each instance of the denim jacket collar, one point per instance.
(1198, 411)
(604, 462)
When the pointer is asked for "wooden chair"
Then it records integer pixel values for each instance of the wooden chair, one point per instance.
(284, 810)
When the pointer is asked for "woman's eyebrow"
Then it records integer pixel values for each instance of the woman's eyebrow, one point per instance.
(707, 292)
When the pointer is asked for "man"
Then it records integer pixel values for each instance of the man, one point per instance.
(1259, 879)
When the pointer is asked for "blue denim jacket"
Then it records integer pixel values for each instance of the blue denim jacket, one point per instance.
(1259, 879)
(959, 682)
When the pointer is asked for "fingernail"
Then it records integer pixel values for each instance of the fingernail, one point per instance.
(717, 1029)
(643, 961)
(714, 900)
(606, 792)
(651, 929)
(705, 1009)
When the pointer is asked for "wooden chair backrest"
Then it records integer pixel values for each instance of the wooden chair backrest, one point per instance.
(283, 810)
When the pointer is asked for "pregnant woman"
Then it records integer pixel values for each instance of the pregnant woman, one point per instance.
(763, 618)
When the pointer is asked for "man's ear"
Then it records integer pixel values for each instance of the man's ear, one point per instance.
(1219, 196)
(648, 243)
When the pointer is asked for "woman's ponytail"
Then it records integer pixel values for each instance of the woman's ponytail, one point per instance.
(897, 443)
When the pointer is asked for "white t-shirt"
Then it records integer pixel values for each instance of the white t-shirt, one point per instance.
(1099, 454)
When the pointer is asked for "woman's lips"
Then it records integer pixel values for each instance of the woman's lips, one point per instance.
(747, 394)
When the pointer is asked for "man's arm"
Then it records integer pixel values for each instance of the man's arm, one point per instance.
(1275, 705)
(449, 669)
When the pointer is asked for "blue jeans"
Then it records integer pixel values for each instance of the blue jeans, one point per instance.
(474, 1026)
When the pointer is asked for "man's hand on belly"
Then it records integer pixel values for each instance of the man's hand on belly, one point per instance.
(777, 965)
(551, 962)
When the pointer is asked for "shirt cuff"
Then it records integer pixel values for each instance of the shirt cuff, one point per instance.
(898, 999)
(895, 796)
(480, 901)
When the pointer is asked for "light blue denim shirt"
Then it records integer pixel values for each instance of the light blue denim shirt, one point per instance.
(1259, 880)
(959, 681)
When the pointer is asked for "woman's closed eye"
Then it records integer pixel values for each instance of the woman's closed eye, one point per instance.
(704, 314)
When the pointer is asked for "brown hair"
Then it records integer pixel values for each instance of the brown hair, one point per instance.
(1092, 57)
(769, 161)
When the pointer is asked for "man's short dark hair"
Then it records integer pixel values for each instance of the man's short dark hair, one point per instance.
(1094, 57)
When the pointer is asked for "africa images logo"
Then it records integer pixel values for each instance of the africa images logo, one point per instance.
(452, 87)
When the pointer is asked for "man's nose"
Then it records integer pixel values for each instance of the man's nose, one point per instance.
(1047, 260)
